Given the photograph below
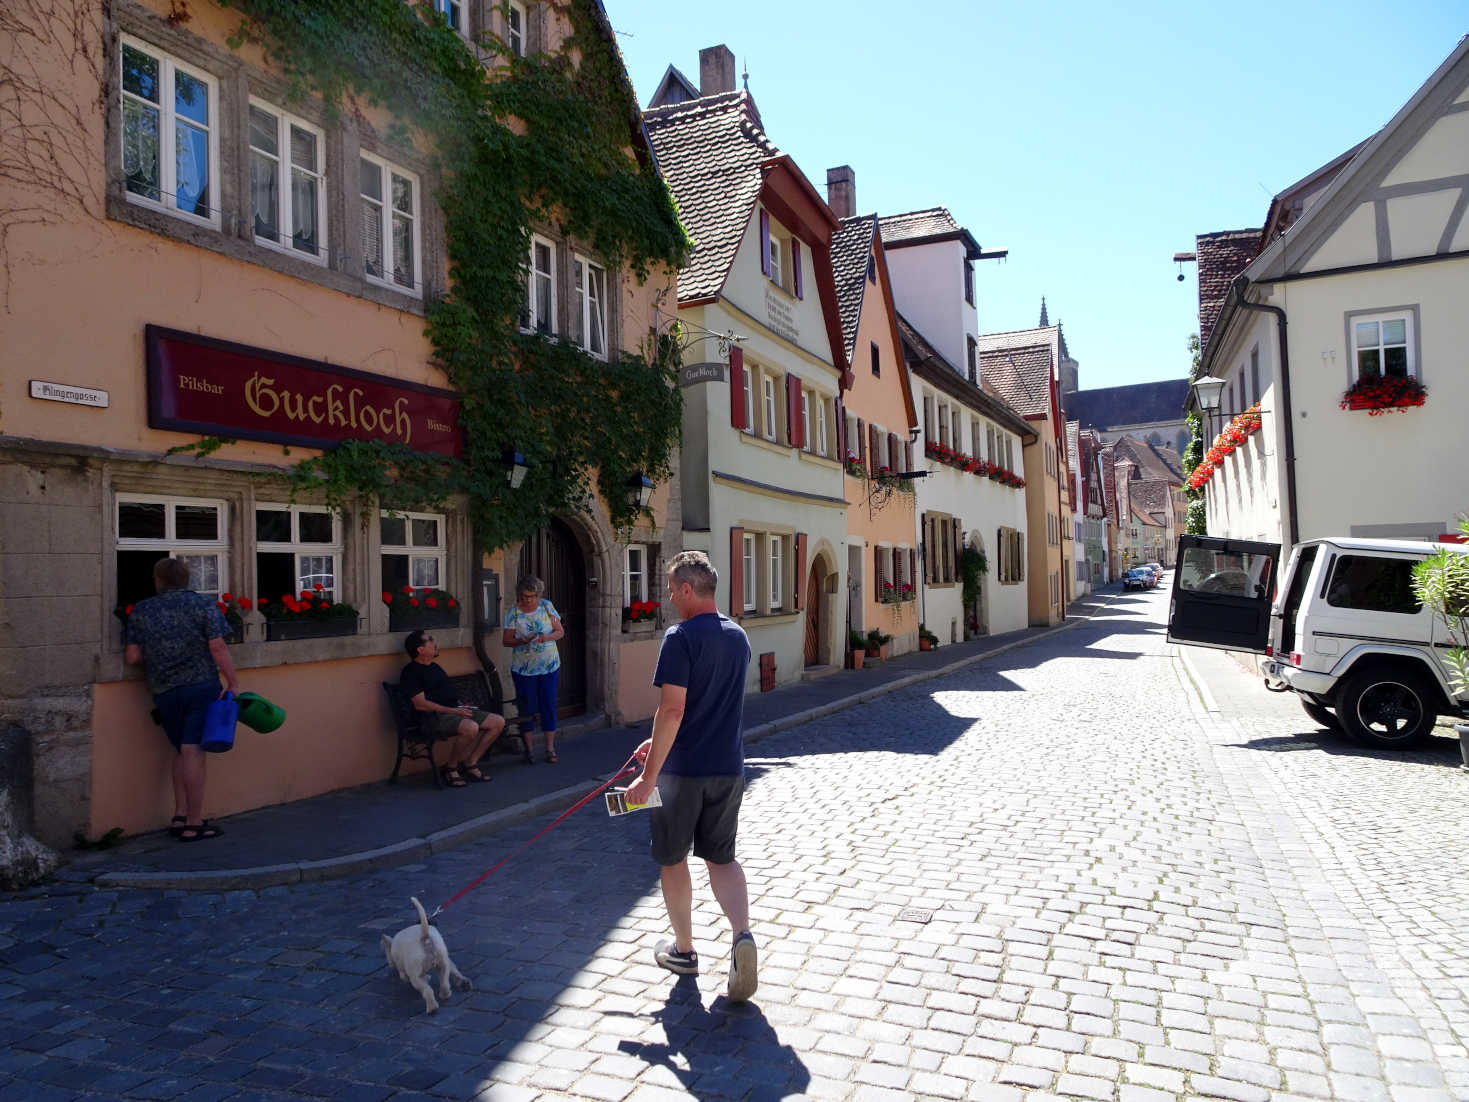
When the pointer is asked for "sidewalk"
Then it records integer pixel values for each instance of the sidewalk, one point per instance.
(379, 825)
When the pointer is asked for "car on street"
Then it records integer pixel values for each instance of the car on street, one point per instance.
(1344, 631)
(1157, 569)
(1139, 577)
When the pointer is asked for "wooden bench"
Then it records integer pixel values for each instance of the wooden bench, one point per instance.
(480, 689)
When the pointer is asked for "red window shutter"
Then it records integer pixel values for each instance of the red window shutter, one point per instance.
(765, 242)
(737, 388)
(878, 576)
(912, 566)
(841, 415)
(736, 572)
(795, 437)
(893, 453)
(796, 266)
(861, 441)
(797, 588)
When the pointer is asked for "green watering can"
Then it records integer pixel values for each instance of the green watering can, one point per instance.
(259, 714)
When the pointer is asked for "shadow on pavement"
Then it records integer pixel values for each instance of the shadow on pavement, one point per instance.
(1436, 750)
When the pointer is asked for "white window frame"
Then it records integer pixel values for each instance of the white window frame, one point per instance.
(823, 444)
(515, 34)
(943, 415)
(168, 69)
(750, 401)
(768, 409)
(299, 548)
(773, 260)
(386, 213)
(171, 545)
(1410, 343)
(777, 570)
(751, 564)
(958, 428)
(807, 444)
(454, 11)
(438, 552)
(585, 284)
(285, 179)
(634, 582)
(533, 276)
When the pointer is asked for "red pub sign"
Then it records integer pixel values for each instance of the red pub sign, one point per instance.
(213, 387)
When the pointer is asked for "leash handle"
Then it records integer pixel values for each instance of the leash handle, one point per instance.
(628, 766)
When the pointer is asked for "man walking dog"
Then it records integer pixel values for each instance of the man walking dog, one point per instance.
(696, 759)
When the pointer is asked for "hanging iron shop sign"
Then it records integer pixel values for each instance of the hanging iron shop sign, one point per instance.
(220, 388)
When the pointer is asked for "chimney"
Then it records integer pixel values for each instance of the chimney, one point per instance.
(716, 71)
(841, 191)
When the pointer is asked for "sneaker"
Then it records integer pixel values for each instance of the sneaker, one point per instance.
(743, 968)
(666, 954)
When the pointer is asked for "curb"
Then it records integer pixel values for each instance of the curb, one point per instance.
(415, 849)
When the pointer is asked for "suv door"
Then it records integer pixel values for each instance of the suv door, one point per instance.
(1222, 590)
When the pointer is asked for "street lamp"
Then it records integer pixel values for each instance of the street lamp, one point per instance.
(1209, 390)
(639, 490)
(913, 435)
(517, 464)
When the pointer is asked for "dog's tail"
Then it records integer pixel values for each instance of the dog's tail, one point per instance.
(422, 919)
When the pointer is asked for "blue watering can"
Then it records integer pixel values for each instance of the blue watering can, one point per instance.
(219, 725)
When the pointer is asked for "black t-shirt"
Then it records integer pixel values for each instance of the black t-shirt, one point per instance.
(431, 681)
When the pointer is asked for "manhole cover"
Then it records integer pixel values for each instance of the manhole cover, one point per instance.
(915, 914)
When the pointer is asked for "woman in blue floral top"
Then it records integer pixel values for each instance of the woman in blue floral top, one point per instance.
(532, 627)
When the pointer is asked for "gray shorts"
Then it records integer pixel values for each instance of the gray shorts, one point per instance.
(446, 724)
(700, 811)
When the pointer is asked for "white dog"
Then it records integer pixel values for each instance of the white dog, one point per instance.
(415, 952)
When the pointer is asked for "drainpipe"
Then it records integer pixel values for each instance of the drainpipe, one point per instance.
(1239, 286)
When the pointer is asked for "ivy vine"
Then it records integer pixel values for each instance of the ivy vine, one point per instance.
(1193, 453)
(527, 140)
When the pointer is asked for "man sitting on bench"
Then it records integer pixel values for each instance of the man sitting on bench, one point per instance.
(469, 731)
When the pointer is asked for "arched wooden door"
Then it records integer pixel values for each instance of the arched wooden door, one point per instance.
(814, 614)
(554, 556)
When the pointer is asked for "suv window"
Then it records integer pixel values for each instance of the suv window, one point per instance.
(1235, 574)
(1297, 593)
(1373, 584)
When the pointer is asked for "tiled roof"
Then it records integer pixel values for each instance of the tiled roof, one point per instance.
(918, 226)
(1144, 516)
(1151, 494)
(1222, 256)
(1152, 461)
(850, 248)
(1109, 481)
(1020, 375)
(926, 362)
(710, 150)
(1073, 440)
(1113, 407)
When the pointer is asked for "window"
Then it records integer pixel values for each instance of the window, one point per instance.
(1254, 376)
(871, 268)
(634, 573)
(749, 565)
(296, 547)
(944, 424)
(1012, 556)
(412, 550)
(287, 192)
(515, 29)
(971, 351)
(767, 390)
(389, 225)
(1009, 454)
(807, 442)
(957, 421)
(989, 441)
(876, 360)
(590, 318)
(1382, 345)
(170, 128)
(928, 419)
(822, 413)
(192, 530)
(749, 400)
(453, 13)
(976, 436)
(969, 283)
(538, 314)
(774, 261)
(776, 573)
(1373, 585)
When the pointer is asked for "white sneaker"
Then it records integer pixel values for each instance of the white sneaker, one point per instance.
(743, 968)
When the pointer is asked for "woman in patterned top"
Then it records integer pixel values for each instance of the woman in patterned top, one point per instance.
(532, 627)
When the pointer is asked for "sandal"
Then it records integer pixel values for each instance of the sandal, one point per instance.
(177, 827)
(199, 833)
(473, 773)
(450, 776)
(552, 757)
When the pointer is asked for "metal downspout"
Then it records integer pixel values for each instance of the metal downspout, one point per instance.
(1239, 286)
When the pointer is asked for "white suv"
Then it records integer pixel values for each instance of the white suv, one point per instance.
(1344, 631)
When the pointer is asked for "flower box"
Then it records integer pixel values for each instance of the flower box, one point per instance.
(277, 631)
(1378, 395)
(417, 619)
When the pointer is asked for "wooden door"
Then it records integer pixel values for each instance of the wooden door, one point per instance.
(813, 617)
(554, 556)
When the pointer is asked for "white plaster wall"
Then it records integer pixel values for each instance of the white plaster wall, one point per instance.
(766, 304)
(1245, 498)
(928, 290)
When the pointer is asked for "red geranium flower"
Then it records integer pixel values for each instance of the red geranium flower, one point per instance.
(128, 610)
(408, 589)
(245, 603)
(260, 602)
(413, 601)
(226, 597)
(453, 603)
(431, 602)
(318, 585)
(324, 604)
(387, 598)
(221, 605)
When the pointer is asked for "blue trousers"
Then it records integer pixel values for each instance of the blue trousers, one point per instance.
(536, 694)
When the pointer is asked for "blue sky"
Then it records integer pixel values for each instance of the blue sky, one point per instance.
(1091, 140)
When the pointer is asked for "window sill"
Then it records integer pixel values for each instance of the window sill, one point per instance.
(641, 629)
(819, 460)
(769, 619)
(761, 442)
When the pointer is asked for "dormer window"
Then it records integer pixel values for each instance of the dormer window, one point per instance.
(773, 260)
(969, 283)
(780, 257)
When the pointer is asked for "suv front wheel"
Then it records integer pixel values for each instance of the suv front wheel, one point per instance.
(1387, 707)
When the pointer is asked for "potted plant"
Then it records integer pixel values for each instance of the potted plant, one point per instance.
(1378, 394)
(307, 615)
(228, 606)
(877, 644)
(857, 647)
(640, 612)
(927, 640)
(1441, 582)
(854, 466)
(972, 566)
(412, 609)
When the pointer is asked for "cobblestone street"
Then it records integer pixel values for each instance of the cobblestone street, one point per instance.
(1085, 868)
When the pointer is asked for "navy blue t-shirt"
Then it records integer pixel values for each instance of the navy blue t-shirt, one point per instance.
(708, 655)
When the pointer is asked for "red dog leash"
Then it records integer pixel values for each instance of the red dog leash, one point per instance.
(627, 767)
